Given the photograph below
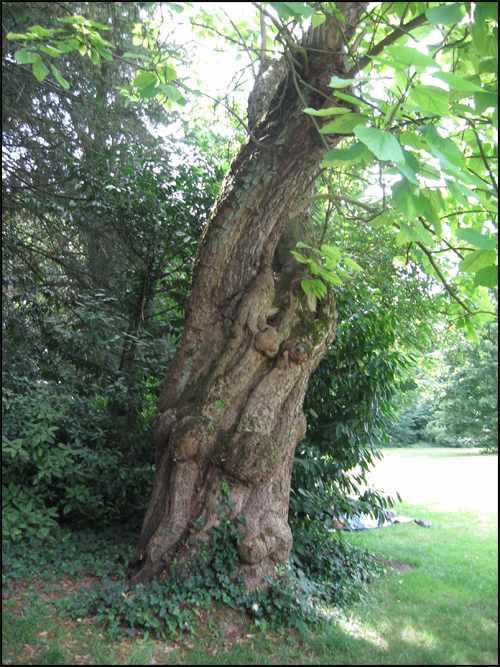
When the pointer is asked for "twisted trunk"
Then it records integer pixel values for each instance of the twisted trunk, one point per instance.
(251, 341)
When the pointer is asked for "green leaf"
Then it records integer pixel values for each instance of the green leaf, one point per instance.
(411, 57)
(383, 144)
(26, 57)
(409, 232)
(137, 56)
(456, 192)
(105, 53)
(350, 98)
(300, 9)
(429, 172)
(484, 101)
(178, 9)
(352, 264)
(145, 79)
(316, 286)
(401, 239)
(61, 80)
(425, 234)
(472, 333)
(68, 45)
(331, 251)
(456, 82)
(94, 57)
(410, 167)
(39, 70)
(477, 260)
(50, 51)
(410, 205)
(336, 82)
(431, 99)
(170, 73)
(170, 91)
(383, 220)
(73, 19)
(287, 10)
(101, 26)
(475, 238)
(299, 258)
(317, 19)
(334, 279)
(410, 139)
(432, 217)
(15, 36)
(330, 111)
(487, 277)
(41, 32)
(346, 156)
(148, 93)
(447, 14)
(345, 124)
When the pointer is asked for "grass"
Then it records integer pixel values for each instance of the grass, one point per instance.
(436, 604)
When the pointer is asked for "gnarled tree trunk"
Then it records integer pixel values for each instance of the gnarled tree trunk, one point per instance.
(251, 339)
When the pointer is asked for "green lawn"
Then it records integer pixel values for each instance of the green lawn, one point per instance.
(436, 604)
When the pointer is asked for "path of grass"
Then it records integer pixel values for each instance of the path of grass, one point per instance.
(436, 605)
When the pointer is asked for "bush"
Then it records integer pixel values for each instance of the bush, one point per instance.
(60, 462)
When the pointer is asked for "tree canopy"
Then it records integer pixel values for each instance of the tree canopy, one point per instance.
(422, 135)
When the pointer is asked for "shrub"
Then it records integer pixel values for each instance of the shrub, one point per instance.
(59, 462)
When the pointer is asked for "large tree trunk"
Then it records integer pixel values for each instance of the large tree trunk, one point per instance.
(251, 341)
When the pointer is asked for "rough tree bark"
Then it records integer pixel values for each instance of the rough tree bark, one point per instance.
(251, 340)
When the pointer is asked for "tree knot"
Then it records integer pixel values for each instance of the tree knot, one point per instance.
(295, 351)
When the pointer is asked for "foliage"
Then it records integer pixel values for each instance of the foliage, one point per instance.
(62, 461)
(459, 570)
(456, 404)
(399, 131)
(467, 411)
(338, 571)
(100, 224)
(352, 402)
(413, 423)
(94, 552)
(421, 129)
(168, 606)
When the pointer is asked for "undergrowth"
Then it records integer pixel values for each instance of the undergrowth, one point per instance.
(327, 572)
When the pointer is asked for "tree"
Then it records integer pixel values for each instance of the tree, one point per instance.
(466, 401)
(260, 315)
(100, 224)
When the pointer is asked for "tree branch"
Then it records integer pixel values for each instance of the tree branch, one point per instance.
(390, 39)
(333, 198)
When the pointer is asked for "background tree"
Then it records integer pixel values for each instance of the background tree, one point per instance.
(100, 223)
(456, 399)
